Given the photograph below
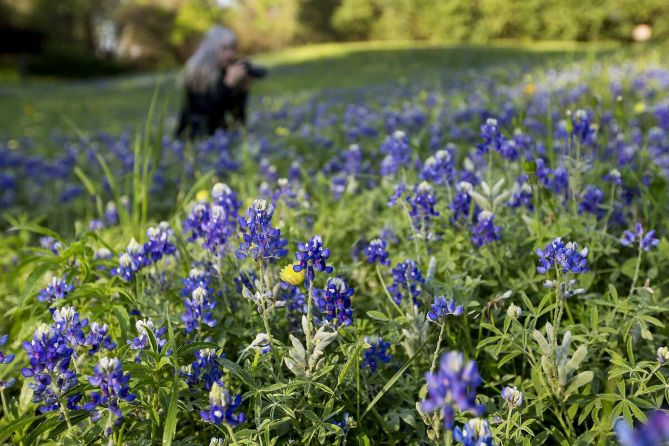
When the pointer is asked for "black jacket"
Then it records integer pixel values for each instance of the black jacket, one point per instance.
(204, 113)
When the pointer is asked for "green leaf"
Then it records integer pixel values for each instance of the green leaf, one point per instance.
(377, 315)
(172, 411)
(392, 380)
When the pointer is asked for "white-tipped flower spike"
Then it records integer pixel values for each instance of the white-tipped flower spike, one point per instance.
(662, 354)
(513, 396)
(514, 311)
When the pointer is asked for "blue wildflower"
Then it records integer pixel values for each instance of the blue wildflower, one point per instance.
(204, 371)
(654, 432)
(398, 153)
(492, 137)
(5, 359)
(453, 387)
(442, 308)
(222, 407)
(378, 352)
(422, 210)
(334, 303)
(439, 168)
(407, 281)
(141, 342)
(131, 261)
(68, 323)
(198, 310)
(562, 255)
(399, 190)
(475, 432)
(646, 240)
(98, 336)
(50, 355)
(461, 206)
(159, 243)
(485, 231)
(114, 387)
(198, 277)
(591, 202)
(260, 239)
(513, 396)
(56, 289)
(51, 244)
(376, 252)
(312, 256)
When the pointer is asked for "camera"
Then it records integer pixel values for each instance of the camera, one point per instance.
(254, 71)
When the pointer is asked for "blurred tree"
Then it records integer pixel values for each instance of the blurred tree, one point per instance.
(314, 20)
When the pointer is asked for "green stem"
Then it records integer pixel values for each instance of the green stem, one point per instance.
(385, 288)
(232, 434)
(310, 311)
(508, 424)
(436, 350)
(5, 406)
(636, 271)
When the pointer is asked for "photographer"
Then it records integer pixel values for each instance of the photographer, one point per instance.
(216, 85)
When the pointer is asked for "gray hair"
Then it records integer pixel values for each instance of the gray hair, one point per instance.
(202, 70)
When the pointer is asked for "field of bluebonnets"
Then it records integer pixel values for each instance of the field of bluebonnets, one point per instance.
(475, 258)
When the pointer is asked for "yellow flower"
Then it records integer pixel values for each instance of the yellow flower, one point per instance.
(289, 275)
(639, 107)
(282, 131)
(202, 195)
(529, 89)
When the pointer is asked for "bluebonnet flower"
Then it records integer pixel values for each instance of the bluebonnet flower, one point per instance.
(312, 256)
(509, 150)
(111, 213)
(591, 202)
(522, 194)
(377, 352)
(513, 396)
(562, 255)
(461, 207)
(475, 432)
(646, 240)
(198, 310)
(398, 153)
(159, 243)
(334, 303)
(212, 224)
(582, 130)
(131, 261)
(345, 422)
(141, 342)
(261, 343)
(492, 137)
(204, 371)
(453, 387)
(67, 322)
(222, 407)
(514, 311)
(399, 190)
(51, 244)
(662, 354)
(442, 307)
(198, 277)
(114, 387)
(407, 281)
(439, 168)
(422, 204)
(614, 177)
(485, 231)
(376, 252)
(227, 198)
(96, 225)
(98, 336)
(56, 289)
(49, 355)
(5, 359)
(261, 240)
(654, 432)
